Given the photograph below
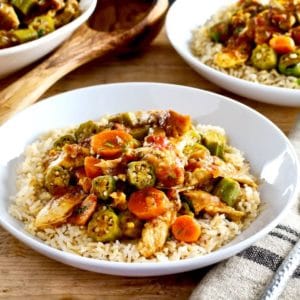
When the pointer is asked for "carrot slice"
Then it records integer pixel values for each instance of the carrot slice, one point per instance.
(91, 170)
(148, 203)
(84, 211)
(186, 229)
(111, 143)
(282, 44)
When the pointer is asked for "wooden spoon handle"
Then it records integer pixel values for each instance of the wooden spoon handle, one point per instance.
(85, 45)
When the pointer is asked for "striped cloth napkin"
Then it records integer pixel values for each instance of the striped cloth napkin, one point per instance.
(246, 275)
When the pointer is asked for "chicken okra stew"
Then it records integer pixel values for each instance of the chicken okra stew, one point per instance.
(136, 186)
(22, 21)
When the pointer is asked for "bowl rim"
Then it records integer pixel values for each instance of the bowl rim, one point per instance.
(170, 267)
(192, 59)
(65, 29)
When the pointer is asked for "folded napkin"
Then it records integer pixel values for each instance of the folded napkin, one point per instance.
(246, 275)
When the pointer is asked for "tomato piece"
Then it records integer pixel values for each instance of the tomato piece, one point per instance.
(148, 203)
(157, 141)
(282, 44)
(170, 175)
(186, 229)
(111, 143)
(90, 167)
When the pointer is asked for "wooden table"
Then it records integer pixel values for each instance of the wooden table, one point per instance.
(25, 273)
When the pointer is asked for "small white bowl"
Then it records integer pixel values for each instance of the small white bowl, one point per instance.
(17, 57)
(270, 153)
(183, 17)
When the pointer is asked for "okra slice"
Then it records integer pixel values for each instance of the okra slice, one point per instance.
(86, 130)
(63, 140)
(56, 178)
(104, 226)
(140, 174)
(228, 190)
(103, 186)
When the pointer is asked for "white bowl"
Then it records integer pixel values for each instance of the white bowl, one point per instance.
(186, 15)
(17, 57)
(270, 153)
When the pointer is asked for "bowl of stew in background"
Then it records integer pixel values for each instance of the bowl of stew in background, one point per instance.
(186, 17)
(46, 31)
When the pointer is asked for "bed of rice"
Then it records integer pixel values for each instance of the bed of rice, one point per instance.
(31, 197)
(202, 47)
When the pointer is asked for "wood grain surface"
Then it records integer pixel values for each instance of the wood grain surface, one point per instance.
(28, 275)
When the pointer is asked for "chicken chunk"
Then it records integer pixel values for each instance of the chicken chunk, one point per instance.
(155, 233)
(203, 201)
(56, 211)
(8, 17)
(72, 156)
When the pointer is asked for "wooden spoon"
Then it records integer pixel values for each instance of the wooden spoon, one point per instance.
(115, 25)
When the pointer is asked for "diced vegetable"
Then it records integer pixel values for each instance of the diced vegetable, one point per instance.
(289, 64)
(130, 225)
(282, 44)
(264, 57)
(139, 132)
(186, 229)
(127, 118)
(86, 130)
(84, 211)
(111, 143)
(42, 24)
(148, 203)
(25, 35)
(228, 190)
(104, 226)
(215, 142)
(91, 168)
(196, 151)
(140, 174)
(63, 140)
(25, 6)
(103, 186)
(57, 179)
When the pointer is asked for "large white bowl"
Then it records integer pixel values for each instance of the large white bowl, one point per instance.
(15, 58)
(186, 15)
(270, 153)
